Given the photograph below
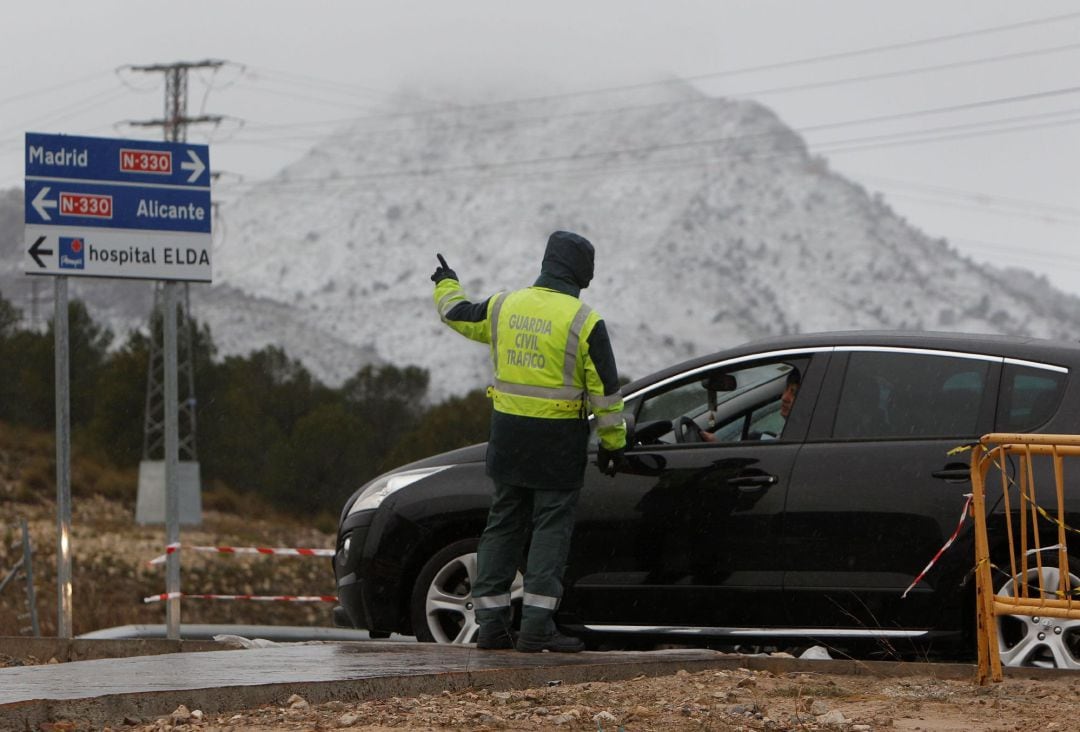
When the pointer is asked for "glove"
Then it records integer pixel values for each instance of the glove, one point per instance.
(443, 272)
(609, 461)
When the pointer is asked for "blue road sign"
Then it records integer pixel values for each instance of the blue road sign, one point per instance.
(103, 207)
(142, 162)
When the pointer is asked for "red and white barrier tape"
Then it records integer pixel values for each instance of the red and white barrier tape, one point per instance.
(286, 551)
(963, 515)
(253, 598)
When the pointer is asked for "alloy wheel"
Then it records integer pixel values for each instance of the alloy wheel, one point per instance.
(1039, 641)
(451, 616)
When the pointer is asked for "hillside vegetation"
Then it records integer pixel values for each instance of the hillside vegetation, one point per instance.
(110, 574)
(279, 452)
(267, 428)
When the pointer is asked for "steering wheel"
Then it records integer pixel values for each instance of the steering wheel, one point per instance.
(686, 430)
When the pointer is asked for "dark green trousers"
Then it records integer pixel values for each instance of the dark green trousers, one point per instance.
(513, 510)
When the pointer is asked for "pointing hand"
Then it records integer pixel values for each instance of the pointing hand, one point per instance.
(443, 271)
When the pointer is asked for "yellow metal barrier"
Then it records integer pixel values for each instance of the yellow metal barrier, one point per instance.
(1028, 598)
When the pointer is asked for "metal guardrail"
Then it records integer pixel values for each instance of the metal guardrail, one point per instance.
(1038, 589)
(25, 569)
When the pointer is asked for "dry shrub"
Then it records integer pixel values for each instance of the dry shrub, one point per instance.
(36, 480)
(24, 441)
(28, 465)
(92, 478)
(217, 496)
(326, 522)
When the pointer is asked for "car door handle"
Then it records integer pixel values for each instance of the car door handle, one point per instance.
(751, 483)
(957, 475)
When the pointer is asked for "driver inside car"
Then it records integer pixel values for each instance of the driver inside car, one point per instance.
(772, 425)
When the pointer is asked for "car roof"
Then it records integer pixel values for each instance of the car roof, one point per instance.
(1055, 352)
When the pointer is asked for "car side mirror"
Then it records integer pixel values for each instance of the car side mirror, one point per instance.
(720, 382)
(650, 432)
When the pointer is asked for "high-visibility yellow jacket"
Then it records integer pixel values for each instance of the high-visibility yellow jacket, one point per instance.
(553, 366)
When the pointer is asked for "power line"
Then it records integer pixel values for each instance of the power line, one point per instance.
(988, 209)
(878, 142)
(82, 105)
(796, 87)
(55, 88)
(791, 87)
(360, 105)
(606, 171)
(841, 145)
(809, 129)
(1019, 252)
(974, 197)
(682, 80)
(540, 119)
(790, 63)
(886, 47)
(962, 107)
(307, 81)
(999, 58)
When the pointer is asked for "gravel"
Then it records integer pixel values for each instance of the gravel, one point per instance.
(708, 700)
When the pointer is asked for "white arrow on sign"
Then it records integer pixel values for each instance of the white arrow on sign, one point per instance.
(196, 166)
(40, 203)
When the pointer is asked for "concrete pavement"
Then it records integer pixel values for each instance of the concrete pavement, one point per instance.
(105, 691)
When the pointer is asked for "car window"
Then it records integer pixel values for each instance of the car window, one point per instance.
(746, 402)
(910, 395)
(1029, 397)
(684, 398)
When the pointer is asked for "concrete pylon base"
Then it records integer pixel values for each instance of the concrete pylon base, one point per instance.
(150, 505)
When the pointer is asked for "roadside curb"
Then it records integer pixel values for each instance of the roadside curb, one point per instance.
(86, 649)
(407, 670)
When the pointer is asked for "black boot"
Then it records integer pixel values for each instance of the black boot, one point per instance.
(555, 642)
(495, 638)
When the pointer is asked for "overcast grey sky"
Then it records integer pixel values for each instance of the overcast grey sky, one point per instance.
(998, 111)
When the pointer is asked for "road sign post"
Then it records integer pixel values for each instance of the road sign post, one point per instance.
(63, 461)
(172, 456)
(135, 209)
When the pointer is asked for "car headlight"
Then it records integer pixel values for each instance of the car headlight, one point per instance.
(385, 485)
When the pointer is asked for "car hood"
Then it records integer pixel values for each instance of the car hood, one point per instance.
(461, 456)
(470, 454)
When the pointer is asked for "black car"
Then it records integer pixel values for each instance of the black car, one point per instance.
(741, 520)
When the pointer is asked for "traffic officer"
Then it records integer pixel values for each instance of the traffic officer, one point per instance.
(553, 364)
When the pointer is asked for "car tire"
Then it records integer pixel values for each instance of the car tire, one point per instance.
(441, 607)
(1037, 641)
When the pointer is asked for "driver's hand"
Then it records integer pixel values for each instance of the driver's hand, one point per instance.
(708, 436)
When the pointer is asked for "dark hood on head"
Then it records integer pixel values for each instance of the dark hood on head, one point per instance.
(568, 263)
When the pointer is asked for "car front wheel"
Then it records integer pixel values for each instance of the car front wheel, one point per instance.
(442, 606)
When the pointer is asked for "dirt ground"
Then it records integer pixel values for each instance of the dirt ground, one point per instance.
(709, 700)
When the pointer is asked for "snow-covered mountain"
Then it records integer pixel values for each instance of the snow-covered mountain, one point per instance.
(712, 225)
